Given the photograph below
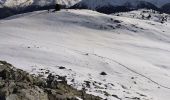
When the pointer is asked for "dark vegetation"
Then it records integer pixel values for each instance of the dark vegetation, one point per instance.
(103, 73)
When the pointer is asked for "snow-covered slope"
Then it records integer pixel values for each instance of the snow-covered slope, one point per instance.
(115, 57)
(144, 14)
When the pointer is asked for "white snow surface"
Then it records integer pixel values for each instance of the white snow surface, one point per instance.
(134, 53)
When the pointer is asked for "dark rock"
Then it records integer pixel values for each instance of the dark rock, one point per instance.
(135, 82)
(86, 54)
(87, 84)
(135, 98)
(124, 87)
(61, 67)
(132, 78)
(103, 73)
(57, 7)
(116, 96)
(117, 21)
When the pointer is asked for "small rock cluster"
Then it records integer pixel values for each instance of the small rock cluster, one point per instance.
(16, 84)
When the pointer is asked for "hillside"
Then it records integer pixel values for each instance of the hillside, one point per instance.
(112, 56)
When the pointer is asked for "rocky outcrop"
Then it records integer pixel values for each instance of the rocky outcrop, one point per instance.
(16, 84)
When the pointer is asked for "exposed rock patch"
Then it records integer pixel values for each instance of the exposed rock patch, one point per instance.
(16, 84)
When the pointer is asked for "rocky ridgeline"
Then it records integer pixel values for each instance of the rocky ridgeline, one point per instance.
(16, 84)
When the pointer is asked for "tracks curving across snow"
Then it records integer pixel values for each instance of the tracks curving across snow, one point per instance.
(144, 76)
(134, 71)
(134, 61)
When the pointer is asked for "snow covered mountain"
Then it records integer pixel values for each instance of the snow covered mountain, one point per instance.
(11, 7)
(90, 3)
(25, 3)
(118, 57)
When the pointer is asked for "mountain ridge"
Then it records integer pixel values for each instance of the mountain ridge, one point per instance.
(25, 3)
(12, 7)
(112, 6)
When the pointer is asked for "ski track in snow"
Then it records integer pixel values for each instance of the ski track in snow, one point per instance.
(133, 52)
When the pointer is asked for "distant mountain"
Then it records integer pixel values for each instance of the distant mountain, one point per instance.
(11, 7)
(166, 8)
(93, 4)
(25, 3)
(111, 6)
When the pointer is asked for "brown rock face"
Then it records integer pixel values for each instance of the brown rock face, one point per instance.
(16, 84)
